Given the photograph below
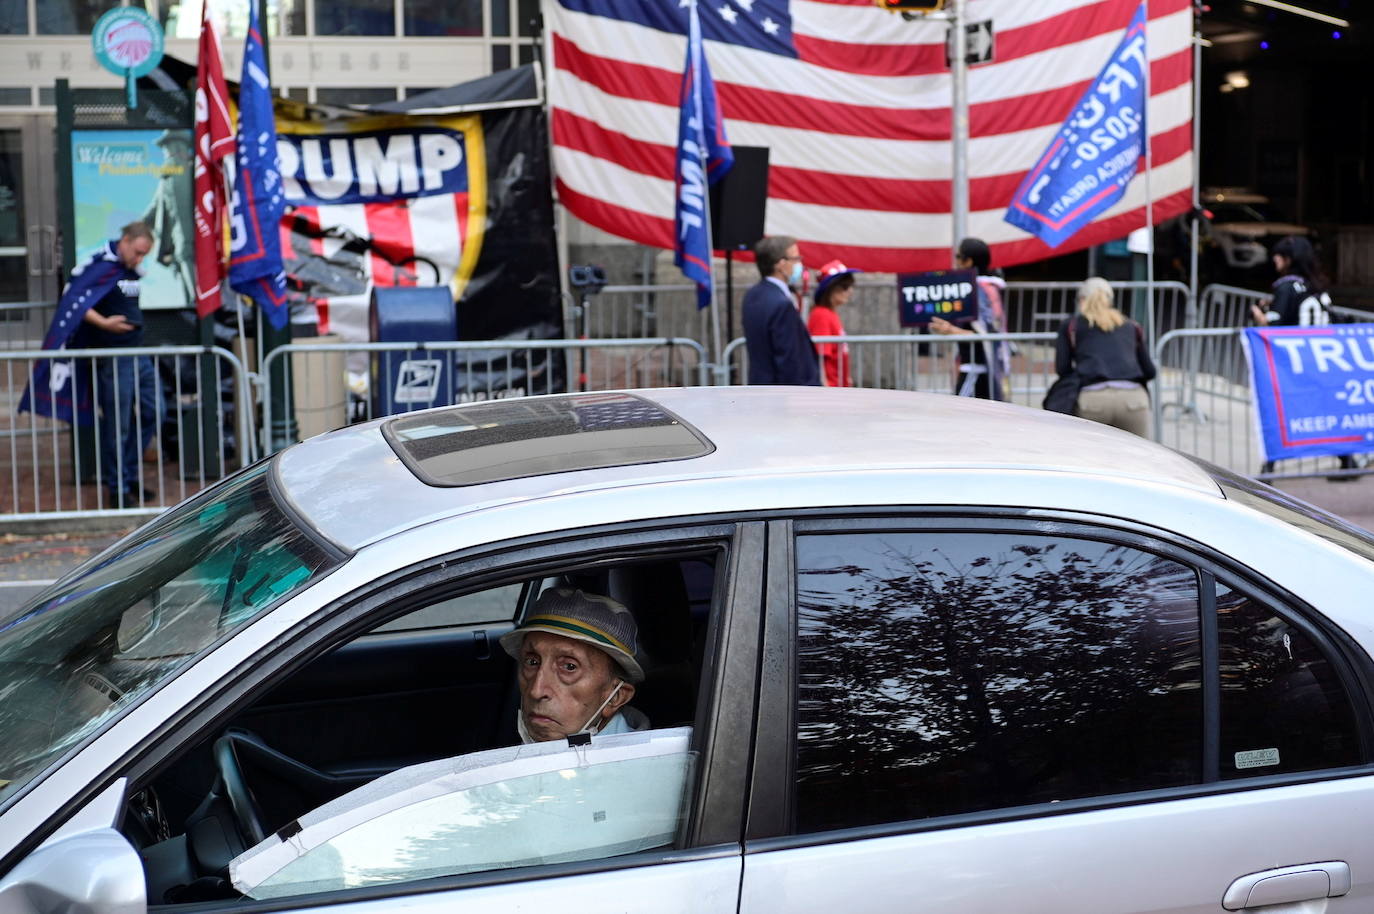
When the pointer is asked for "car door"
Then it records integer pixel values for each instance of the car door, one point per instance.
(550, 866)
(992, 713)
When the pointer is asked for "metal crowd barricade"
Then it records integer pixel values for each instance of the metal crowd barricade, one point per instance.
(670, 310)
(49, 468)
(23, 324)
(1042, 306)
(1207, 410)
(401, 377)
(644, 311)
(1227, 306)
(925, 362)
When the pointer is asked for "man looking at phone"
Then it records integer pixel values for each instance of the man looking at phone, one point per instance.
(126, 388)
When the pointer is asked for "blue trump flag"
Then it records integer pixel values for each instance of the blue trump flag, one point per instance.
(258, 201)
(1097, 152)
(703, 157)
(1314, 389)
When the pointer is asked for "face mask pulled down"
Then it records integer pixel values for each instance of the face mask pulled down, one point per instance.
(527, 739)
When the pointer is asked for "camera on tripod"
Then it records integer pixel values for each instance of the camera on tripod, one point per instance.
(586, 278)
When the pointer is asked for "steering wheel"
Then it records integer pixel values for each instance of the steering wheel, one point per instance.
(247, 815)
(309, 786)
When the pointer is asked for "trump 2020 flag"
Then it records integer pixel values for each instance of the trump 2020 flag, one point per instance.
(1097, 152)
(258, 201)
(703, 157)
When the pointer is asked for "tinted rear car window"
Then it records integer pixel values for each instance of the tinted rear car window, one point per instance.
(511, 439)
(943, 673)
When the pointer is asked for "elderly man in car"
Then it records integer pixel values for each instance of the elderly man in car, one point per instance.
(577, 668)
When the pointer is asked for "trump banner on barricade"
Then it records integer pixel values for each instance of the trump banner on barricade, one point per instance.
(1314, 389)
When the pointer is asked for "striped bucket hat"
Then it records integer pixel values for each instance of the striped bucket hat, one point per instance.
(599, 621)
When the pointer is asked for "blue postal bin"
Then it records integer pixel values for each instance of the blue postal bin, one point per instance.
(406, 380)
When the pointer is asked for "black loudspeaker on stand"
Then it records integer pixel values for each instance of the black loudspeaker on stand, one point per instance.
(738, 201)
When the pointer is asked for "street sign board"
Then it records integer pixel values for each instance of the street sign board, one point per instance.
(127, 39)
(128, 42)
(979, 43)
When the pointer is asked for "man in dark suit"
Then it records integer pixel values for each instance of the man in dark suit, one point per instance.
(780, 349)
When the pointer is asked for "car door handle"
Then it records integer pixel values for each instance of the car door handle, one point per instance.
(1288, 884)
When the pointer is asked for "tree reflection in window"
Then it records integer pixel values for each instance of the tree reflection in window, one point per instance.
(943, 673)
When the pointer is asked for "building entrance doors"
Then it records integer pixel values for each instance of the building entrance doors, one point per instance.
(29, 261)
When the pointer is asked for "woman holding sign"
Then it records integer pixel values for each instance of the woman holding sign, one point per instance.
(1107, 351)
(984, 368)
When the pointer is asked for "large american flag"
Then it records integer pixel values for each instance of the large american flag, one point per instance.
(854, 105)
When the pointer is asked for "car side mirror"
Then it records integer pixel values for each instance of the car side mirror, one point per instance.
(92, 872)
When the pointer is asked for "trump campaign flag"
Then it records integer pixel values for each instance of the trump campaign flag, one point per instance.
(703, 157)
(213, 140)
(1097, 152)
(853, 104)
(1313, 389)
(258, 203)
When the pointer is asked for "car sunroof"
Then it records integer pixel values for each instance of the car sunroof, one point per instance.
(510, 439)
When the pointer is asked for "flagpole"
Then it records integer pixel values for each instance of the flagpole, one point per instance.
(700, 113)
(283, 431)
(1149, 193)
(959, 125)
(208, 463)
(1197, 169)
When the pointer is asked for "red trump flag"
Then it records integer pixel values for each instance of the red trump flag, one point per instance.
(214, 136)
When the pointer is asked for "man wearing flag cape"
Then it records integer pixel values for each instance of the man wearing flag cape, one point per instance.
(99, 310)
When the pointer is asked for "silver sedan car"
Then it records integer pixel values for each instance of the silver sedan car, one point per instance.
(900, 652)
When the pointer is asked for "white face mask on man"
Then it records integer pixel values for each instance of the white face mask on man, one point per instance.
(795, 277)
(524, 732)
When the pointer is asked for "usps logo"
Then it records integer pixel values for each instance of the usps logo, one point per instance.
(417, 380)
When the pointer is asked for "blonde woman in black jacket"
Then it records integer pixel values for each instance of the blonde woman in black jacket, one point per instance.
(1107, 350)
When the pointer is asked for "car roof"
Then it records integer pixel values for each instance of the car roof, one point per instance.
(355, 488)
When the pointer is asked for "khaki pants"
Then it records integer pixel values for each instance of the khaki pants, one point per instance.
(1125, 408)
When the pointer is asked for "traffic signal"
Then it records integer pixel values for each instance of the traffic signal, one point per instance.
(912, 6)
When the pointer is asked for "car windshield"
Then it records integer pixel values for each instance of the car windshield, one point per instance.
(115, 629)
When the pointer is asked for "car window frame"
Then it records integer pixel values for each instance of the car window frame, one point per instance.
(768, 825)
(725, 703)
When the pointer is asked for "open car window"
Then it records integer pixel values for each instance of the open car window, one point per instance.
(496, 809)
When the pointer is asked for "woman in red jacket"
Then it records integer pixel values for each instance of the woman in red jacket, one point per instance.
(835, 288)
